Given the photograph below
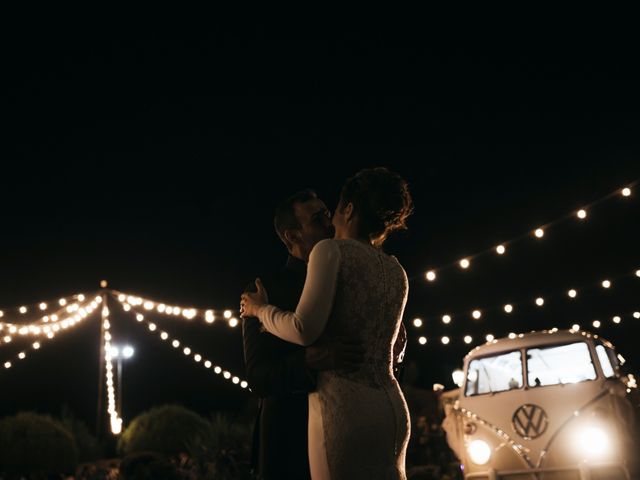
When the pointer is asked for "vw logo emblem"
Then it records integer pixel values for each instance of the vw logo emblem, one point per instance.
(530, 421)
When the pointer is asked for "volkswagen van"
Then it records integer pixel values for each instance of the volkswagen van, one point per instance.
(544, 405)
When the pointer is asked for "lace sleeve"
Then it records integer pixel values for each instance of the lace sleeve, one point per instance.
(305, 325)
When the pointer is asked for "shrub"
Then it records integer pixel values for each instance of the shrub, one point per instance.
(168, 430)
(89, 448)
(36, 445)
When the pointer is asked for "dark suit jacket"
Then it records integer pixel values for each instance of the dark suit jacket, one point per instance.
(277, 374)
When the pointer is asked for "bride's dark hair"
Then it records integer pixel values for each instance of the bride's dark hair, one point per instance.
(381, 200)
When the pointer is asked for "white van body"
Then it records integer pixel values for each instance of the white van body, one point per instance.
(544, 405)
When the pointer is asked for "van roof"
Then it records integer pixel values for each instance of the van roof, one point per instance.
(524, 340)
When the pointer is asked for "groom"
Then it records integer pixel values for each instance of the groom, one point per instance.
(282, 374)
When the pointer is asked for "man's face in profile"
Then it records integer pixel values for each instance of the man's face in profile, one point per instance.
(315, 222)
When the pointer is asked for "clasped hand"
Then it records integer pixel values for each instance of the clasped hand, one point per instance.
(250, 302)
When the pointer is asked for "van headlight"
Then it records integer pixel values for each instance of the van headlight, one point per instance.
(594, 441)
(479, 451)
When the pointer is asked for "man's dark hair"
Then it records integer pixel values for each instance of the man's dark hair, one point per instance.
(285, 217)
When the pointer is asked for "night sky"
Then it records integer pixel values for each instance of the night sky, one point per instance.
(154, 159)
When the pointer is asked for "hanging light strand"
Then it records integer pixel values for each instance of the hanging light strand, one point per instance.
(66, 323)
(607, 321)
(16, 315)
(152, 328)
(62, 319)
(188, 313)
(115, 420)
(509, 307)
(538, 232)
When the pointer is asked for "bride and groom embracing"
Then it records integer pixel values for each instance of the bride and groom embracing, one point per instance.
(346, 310)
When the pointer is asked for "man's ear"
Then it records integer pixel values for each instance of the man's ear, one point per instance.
(291, 237)
(347, 211)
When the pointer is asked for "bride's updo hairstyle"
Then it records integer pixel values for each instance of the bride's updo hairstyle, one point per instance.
(381, 201)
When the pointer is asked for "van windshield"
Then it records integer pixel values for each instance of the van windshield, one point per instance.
(497, 373)
(559, 364)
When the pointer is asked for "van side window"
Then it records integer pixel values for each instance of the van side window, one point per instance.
(559, 364)
(494, 374)
(605, 361)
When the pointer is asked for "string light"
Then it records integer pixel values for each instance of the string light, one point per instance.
(446, 319)
(422, 340)
(114, 419)
(188, 352)
(47, 323)
(538, 232)
(539, 301)
(26, 330)
(490, 337)
(417, 322)
(188, 313)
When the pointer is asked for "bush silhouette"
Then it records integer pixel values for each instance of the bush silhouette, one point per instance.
(147, 466)
(36, 445)
(89, 448)
(168, 430)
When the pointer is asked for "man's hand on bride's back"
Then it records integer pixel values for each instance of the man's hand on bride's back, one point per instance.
(339, 353)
